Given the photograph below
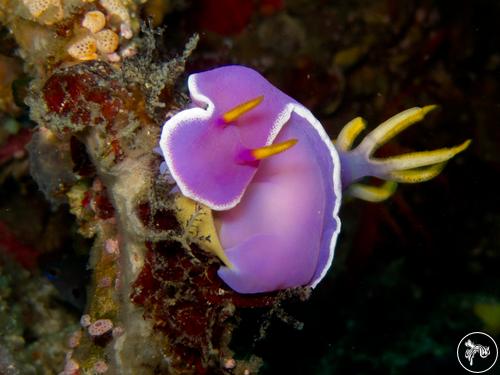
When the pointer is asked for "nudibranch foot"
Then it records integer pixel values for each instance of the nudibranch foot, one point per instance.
(407, 168)
(198, 222)
(262, 256)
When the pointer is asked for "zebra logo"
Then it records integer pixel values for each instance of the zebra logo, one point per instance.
(477, 352)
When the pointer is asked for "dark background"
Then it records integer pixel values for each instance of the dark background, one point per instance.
(412, 275)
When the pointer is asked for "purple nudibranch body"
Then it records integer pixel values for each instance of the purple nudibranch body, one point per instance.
(276, 206)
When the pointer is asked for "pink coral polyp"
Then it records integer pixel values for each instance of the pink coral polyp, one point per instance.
(277, 217)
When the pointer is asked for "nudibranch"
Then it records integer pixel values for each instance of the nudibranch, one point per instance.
(270, 180)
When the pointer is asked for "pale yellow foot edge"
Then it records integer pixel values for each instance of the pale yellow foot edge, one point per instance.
(198, 219)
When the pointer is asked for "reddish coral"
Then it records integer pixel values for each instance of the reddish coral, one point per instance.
(230, 17)
(103, 207)
(82, 163)
(88, 94)
(24, 254)
(188, 302)
(225, 17)
(86, 199)
(14, 146)
(75, 93)
(269, 7)
(156, 219)
(180, 291)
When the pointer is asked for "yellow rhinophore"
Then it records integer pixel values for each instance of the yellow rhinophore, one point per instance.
(277, 148)
(238, 111)
(198, 219)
